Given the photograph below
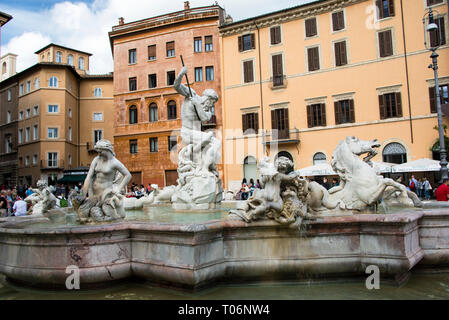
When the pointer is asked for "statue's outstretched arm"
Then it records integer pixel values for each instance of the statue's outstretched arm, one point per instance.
(179, 87)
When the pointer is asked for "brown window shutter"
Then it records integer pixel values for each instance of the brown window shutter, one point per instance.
(253, 41)
(313, 27)
(337, 112)
(391, 7)
(337, 54)
(311, 58)
(380, 12)
(277, 35)
(433, 105)
(316, 59)
(256, 122)
(244, 123)
(323, 114)
(245, 71)
(273, 35)
(250, 71)
(286, 122)
(334, 21)
(388, 43)
(343, 55)
(277, 65)
(152, 51)
(382, 107)
(382, 44)
(273, 120)
(442, 31)
(170, 45)
(240, 43)
(351, 111)
(398, 104)
(309, 116)
(308, 26)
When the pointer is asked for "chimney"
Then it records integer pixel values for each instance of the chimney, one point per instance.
(186, 5)
(121, 21)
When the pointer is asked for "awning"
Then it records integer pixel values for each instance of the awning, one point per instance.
(420, 165)
(382, 167)
(72, 178)
(321, 169)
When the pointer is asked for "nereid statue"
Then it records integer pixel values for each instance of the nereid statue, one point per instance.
(42, 200)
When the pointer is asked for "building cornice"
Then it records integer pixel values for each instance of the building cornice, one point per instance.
(289, 14)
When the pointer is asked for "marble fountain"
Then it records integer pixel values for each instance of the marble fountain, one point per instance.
(186, 236)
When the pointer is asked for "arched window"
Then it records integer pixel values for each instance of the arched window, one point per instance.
(318, 158)
(58, 56)
(250, 168)
(70, 60)
(171, 106)
(97, 92)
(36, 83)
(132, 114)
(153, 112)
(394, 153)
(53, 82)
(81, 63)
(4, 67)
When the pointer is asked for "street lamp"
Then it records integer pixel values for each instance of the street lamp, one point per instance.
(435, 39)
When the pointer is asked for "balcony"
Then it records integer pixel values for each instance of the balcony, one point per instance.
(282, 137)
(52, 164)
(278, 82)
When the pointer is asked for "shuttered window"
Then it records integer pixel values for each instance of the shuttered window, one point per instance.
(313, 58)
(338, 21)
(341, 58)
(247, 42)
(208, 46)
(438, 36)
(433, 2)
(250, 121)
(344, 111)
(275, 35)
(278, 72)
(152, 52)
(311, 29)
(248, 71)
(390, 105)
(385, 8)
(444, 97)
(279, 122)
(316, 115)
(170, 46)
(385, 43)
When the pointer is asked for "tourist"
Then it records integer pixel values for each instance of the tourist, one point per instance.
(334, 183)
(20, 208)
(325, 183)
(258, 185)
(148, 189)
(442, 192)
(29, 191)
(251, 187)
(3, 204)
(244, 192)
(413, 184)
(427, 188)
(419, 188)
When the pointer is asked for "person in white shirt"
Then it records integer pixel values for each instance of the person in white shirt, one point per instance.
(20, 208)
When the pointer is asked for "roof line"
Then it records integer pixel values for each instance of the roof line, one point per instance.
(57, 45)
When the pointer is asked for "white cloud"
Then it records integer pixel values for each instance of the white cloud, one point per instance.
(85, 27)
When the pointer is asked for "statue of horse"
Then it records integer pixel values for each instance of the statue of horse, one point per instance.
(360, 186)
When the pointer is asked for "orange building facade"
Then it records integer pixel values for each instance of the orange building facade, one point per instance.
(147, 58)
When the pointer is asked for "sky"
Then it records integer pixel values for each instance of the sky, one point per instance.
(84, 25)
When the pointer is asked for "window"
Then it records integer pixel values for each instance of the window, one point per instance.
(98, 135)
(394, 153)
(70, 133)
(36, 83)
(152, 80)
(318, 158)
(27, 134)
(313, 56)
(172, 141)
(21, 89)
(21, 115)
(8, 143)
(170, 46)
(133, 115)
(35, 159)
(70, 113)
(27, 160)
(208, 47)
(52, 133)
(70, 60)
(198, 74)
(9, 95)
(52, 159)
(385, 43)
(444, 97)
(278, 72)
(97, 92)
(279, 122)
(209, 73)
(316, 115)
(385, 8)
(390, 105)
(248, 71)
(20, 137)
(133, 84)
(53, 82)
(275, 35)
(198, 44)
(58, 56)
(70, 159)
(52, 108)
(434, 2)
(4, 67)
(311, 28)
(344, 111)
(132, 56)
(35, 132)
(81, 63)
(171, 108)
(28, 113)
(28, 86)
(152, 52)
(247, 42)
(250, 121)
(35, 110)
(438, 36)
(170, 78)
(153, 112)
(133, 146)
(98, 116)
(341, 58)
(153, 145)
(8, 117)
(338, 21)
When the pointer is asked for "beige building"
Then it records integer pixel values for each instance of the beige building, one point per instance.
(298, 81)
(61, 111)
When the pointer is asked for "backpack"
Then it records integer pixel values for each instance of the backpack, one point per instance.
(412, 185)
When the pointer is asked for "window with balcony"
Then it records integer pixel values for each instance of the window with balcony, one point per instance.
(198, 44)
(316, 115)
(247, 42)
(280, 123)
(390, 105)
(52, 159)
(250, 123)
(278, 71)
(153, 145)
(153, 112)
(152, 52)
(444, 97)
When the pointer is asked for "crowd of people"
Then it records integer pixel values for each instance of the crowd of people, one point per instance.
(247, 189)
(422, 187)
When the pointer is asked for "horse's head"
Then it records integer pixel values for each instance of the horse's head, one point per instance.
(359, 147)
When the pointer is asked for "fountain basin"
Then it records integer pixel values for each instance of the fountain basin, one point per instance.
(194, 255)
